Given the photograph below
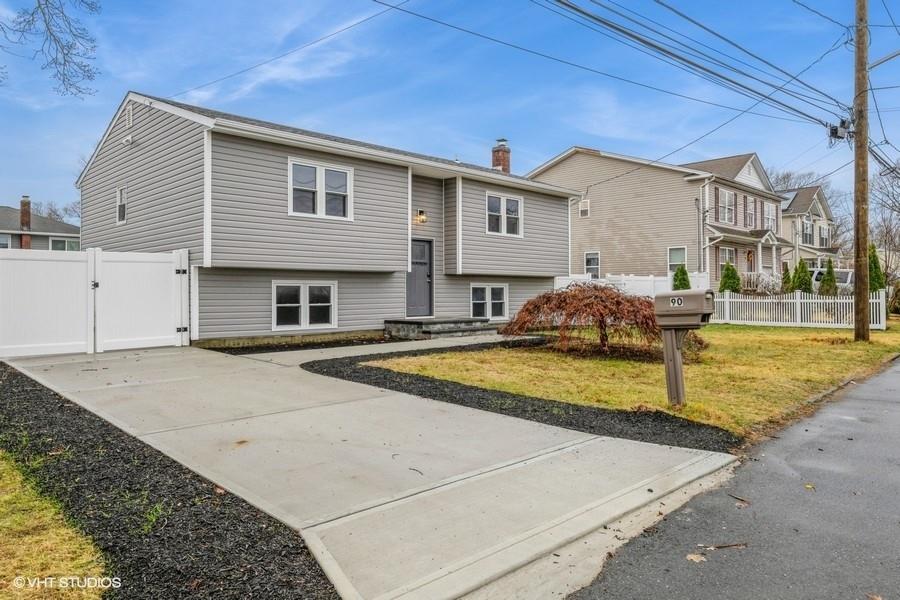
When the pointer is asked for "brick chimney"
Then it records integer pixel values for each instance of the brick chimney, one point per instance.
(500, 156)
(25, 221)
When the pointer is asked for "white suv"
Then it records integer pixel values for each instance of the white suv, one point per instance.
(844, 279)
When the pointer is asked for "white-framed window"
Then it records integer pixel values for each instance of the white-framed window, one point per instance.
(65, 244)
(584, 208)
(751, 213)
(304, 305)
(677, 256)
(769, 216)
(503, 214)
(806, 232)
(824, 236)
(592, 264)
(726, 256)
(5, 241)
(490, 300)
(320, 190)
(121, 204)
(727, 202)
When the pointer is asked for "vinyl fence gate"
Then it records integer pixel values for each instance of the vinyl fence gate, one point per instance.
(91, 301)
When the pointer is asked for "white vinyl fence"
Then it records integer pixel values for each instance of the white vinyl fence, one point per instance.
(637, 285)
(91, 301)
(797, 310)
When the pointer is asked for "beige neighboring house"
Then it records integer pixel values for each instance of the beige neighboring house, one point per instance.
(20, 229)
(645, 218)
(808, 223)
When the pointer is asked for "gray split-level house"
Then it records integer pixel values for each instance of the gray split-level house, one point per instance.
(292, 232)
(645, 217)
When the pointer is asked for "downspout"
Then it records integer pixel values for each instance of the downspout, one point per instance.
(702, 206)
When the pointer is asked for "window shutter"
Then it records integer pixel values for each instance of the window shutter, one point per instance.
(745, 210)
(716, 198)
(759, 214)
(718, 260)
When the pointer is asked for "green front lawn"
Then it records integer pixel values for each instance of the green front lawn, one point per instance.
(747, 378)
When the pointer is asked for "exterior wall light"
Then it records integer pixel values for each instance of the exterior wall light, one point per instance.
(421, 217)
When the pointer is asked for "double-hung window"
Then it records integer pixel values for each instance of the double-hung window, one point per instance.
(5, 241)
(727, 202)
(319, 190)
(504, 215)
(726, 256)
(824, 236)
(65, 245)
(592, 264)
(769, 216)
(751, 213)
(807, 231)
(584, 208)
(121, 204)
(489, 300)
(677, 258)
(304, 305)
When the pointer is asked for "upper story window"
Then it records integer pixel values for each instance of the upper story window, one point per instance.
(64, 245)
(769, 220)
(504, 214)
(677, 258)
(5, 241)
(592, 264)
(319, 190)
(751, 213)
(807, 232)
(727, 201)
(824, 236)
(121, 204)
(584, 208)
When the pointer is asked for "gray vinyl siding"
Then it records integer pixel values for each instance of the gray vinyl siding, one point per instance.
(251, 226)
(238, 302)
(634, 218)
(541, 251)
(449, 226)
(38, 242)
(452, 292)
(163, 171)
(15, 241)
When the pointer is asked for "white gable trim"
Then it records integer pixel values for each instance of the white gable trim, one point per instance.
(600, 153)
(133, 97)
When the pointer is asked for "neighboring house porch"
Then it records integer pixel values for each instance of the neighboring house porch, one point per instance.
(756, 254)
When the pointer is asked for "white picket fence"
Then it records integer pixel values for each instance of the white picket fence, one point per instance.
(637, 285)
(797, 310)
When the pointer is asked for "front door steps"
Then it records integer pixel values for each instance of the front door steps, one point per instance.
(426, 328)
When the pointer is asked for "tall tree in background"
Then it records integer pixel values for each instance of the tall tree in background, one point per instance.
(49, 31)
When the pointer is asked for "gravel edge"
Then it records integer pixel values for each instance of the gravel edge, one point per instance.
(164, 530)
(645, 426)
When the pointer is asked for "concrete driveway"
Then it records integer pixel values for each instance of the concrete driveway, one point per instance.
(396, 495)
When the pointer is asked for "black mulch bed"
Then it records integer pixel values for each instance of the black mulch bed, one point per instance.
(164, 530)
(309, 346)
(645, 426)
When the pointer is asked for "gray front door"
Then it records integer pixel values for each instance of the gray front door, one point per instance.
(419, 281)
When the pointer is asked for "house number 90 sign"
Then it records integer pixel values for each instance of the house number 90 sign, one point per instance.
(676, 301)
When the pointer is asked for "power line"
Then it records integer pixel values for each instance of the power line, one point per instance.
(804, 153)
(573, 64)
(830, 173)
(289, 52)
(749, 53)
(890, 16)
(878, 112)
(823, 15)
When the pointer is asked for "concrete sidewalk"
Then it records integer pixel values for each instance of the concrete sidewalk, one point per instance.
(397, 496)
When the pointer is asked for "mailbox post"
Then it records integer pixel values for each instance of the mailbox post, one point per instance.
(677, 313)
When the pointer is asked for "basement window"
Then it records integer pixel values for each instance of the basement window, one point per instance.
(489, 300)
(304, 305)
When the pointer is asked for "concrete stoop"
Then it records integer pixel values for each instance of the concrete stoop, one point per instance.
(425, 329)
(453, 539)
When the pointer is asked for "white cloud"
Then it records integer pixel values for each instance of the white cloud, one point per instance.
(293, 69)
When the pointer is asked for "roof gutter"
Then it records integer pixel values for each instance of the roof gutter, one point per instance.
(315, 143)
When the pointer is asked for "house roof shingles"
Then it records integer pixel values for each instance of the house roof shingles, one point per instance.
(9, 221)
(727, 166)
(799, 201)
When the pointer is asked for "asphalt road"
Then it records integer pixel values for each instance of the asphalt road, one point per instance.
(821, 518)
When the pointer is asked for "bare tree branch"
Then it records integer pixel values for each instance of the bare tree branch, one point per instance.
(64, 46)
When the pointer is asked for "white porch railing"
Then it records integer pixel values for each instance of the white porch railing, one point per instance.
(797, 310)
(637, 285)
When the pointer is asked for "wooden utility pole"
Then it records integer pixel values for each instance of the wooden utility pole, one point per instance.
(861, 176)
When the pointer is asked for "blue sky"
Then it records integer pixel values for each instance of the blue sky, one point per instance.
(403, 82)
